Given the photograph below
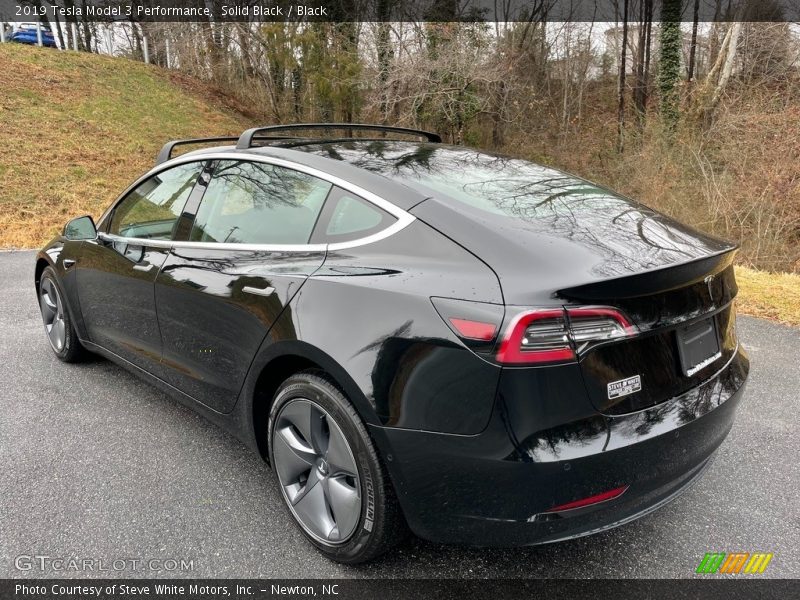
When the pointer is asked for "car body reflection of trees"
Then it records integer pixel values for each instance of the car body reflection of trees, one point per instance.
(608, 433)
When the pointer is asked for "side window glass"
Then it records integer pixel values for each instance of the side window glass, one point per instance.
(152, 209)
(259, 203)
(351, 218)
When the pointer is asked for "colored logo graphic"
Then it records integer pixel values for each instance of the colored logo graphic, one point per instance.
(736, 562)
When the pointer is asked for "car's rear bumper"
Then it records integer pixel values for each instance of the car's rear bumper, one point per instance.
(496, 488)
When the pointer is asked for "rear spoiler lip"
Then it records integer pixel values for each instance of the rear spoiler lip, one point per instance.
(659, 279)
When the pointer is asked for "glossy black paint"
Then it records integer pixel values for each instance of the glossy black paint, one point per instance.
(408, 363)
(117, 301)
(477, 451)
(499, 483)
(193, 286)
(662, 305)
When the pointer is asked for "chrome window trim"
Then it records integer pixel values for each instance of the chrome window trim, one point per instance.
(169, 244)
(403, 218)
(115, 239)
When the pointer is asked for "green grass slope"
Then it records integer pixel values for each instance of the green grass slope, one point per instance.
(76, 128)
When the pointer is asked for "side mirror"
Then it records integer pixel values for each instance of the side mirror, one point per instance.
(81, 228)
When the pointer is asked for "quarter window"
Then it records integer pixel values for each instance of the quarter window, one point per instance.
(151, 211)
(259, 203)
(348, 217)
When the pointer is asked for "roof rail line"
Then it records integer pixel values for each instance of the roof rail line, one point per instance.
(166, 151)
(246, 139)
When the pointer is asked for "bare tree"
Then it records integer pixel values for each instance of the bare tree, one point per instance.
(690, 66)
(720, 73)
(621, 86)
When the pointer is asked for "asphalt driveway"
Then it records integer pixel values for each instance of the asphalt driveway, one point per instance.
(96, 464)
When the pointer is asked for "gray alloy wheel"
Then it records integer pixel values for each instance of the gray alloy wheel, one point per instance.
(56, 318)
(317, 471)
(53, 315)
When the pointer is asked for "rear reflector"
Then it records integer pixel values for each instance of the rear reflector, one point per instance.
(474, 330)
(475, 323)
(596, 499)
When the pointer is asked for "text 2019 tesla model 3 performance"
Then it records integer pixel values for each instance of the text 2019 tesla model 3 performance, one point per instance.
(414, 335)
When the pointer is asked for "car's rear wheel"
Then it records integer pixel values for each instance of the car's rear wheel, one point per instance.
(331, 477)
(57, 322)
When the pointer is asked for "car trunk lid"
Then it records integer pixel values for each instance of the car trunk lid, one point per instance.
(686, 326)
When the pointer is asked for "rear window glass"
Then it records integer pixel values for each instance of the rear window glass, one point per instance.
(510, 187)
(498, 185)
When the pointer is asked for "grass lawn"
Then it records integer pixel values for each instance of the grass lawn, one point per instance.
(773, 296)
(77, 128)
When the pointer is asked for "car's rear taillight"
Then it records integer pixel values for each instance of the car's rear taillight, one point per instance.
(537, 336)
(593, 324)
(559, 335)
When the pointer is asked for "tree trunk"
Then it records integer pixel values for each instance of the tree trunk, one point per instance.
(719, 75)
(670, 63)
(385, 55)
(643, 59)
(87, 35)
(64, 46)
(648, 45)
(383, 46)
(693, 46)
(622, 72)
(727, 68)
(297, 94)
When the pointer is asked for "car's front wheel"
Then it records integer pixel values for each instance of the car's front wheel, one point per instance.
(331, 477)
(57, 322)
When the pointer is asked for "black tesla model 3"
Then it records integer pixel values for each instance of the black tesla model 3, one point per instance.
(414, 335)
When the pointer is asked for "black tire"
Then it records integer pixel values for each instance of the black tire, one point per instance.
(69, 349)
(380, 524)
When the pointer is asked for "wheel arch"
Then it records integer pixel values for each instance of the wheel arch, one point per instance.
(274, 365)
(41, 264)
(51, 256)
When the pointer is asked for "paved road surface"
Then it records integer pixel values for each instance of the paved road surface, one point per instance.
(95, 463)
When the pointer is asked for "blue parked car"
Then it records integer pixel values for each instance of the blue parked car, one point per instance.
(26, 34)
